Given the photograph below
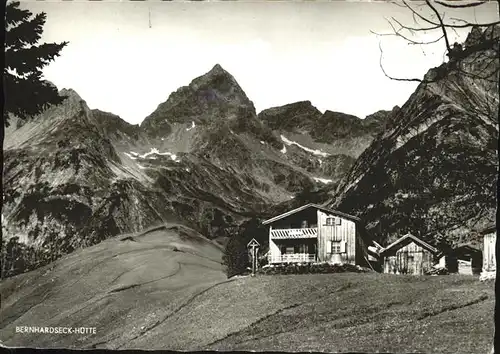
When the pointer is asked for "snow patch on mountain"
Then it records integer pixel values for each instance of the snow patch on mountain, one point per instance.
(322, 180)
(283, 150)
(153, 152)
(193, 125)
(130, 156)
(315, 152)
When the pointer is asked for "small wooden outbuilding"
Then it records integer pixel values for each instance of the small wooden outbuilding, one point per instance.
(464, 260)
(489, 249)
(408, 255)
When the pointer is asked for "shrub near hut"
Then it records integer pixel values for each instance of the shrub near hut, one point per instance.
(236, 258)
(311, 268)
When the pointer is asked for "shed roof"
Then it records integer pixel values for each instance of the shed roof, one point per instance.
(489, 229)
(414, 239)
(307, 206)
(465, 251)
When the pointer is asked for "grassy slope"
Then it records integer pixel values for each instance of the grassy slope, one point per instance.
(123, 286)
(372, 312)
(142, 294)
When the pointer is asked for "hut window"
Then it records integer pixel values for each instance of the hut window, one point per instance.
(329, 221)
(338, 221)
(336, 247)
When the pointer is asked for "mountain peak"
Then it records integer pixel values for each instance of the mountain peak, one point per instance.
(217, 69)
(216, 78)
(69, 93)
(213, 95)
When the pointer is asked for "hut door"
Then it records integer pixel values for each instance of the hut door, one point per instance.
(403, 262)
(411, 263)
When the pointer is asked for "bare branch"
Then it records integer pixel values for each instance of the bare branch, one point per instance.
(410, 41)
(397, 4)
(436, 25)
(419, 15)
(457, 6)
(429, 42)
(414, 29)
(470, 24)
(437, 21)
(398, 33)
(440, 19)
(390, 77)
(455, 31)
(458, 19)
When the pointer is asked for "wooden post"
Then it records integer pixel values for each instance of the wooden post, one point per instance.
(254, 245)
(253, 260)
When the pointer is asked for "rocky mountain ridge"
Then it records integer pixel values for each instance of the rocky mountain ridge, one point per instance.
(433, 171)
(76, 176)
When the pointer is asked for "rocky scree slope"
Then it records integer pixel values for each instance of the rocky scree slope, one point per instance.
(433, 172)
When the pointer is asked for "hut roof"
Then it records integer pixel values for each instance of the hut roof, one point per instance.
(400, 243)
(489, 229)
(465, 252)
(315, 206)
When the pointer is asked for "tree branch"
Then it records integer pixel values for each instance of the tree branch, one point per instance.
(439, 23)
(443, 28)
(419, 15)
(390, 77)
(436, 25)
(458, 6)
(410, 41)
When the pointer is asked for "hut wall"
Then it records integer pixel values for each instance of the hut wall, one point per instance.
(345, 232)
(464, 267)
(274, 250)
(409, 259)
(489, 256)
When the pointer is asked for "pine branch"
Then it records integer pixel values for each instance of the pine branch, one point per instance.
(25, 33)
(25, 97)
(14, 15)
(26, 93)
(28, 60)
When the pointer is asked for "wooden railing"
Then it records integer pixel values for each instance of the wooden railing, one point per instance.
(293, 258)
(294, 233)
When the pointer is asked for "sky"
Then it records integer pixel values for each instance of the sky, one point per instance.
(279, 52)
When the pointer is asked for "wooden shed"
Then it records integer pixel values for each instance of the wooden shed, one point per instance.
(464, 260)
(489, 249)
(408, 255)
